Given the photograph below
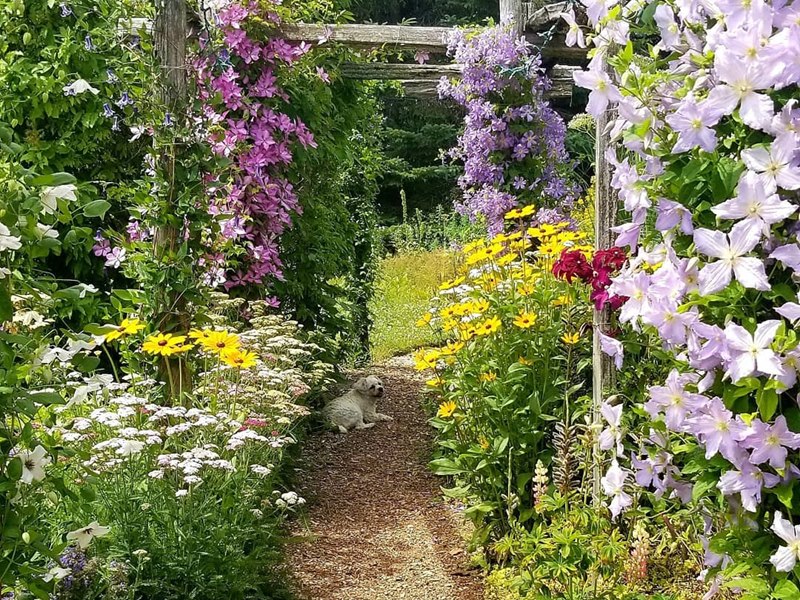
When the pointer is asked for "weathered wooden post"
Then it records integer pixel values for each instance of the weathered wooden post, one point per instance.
(513, 11)
(605, 213)
(170, 32)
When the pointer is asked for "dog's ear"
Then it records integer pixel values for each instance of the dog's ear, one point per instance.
(361, 385)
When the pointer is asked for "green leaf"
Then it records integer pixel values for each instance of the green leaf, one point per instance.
(445, 466)
(53, 179)
(6, 308)
(14, 469)
(767, 401)
(96, 208)
(749, 584)
(786, 590)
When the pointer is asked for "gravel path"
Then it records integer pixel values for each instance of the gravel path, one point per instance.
(377, 528)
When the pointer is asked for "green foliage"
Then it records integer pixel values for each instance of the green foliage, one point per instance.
(426, 12)
(439, 229)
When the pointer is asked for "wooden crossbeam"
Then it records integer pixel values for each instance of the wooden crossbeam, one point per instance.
(427, 39)
(422, 81)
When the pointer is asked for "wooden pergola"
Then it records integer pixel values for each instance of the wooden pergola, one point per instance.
(535, 20)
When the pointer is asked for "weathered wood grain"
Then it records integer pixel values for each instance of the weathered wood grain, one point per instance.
(428, 39)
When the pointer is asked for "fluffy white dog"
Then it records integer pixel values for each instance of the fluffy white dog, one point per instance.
(356, 409)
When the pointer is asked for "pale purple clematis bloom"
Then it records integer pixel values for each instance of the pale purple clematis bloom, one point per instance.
(719, 431)
(602, 89)
(786, 557)
(731, 251)
(751, 353)
(116, 257)
(790, 310)
(635, 288)
(575, 33)
(614, 485)
(670, 32)
(694, 123)
(748, 483)
(776, 165)
(673, 399)
(788, 254)
(670, 322)
(672, 214)
(597, 9)
(709, 355)
(770, 442)
(739, 89)
(646, 471)
(611, 347)
(611, 436)
(757, 199)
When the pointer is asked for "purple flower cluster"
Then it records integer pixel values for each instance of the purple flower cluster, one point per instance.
(242, 99)
(732, 67)
(512, 147)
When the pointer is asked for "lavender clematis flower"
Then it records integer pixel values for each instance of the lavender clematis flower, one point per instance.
(719, 431)
(731, 251)
(694, 123)
(739, 89)
(611, 347)
(575, 33)
(670, 32)
(672, 214)
(770, 442)
(790, 310)
(786, 557)
(756, 198)
(673, 399)
(614, 486)
(751, 353)
(748, 483)
(602, 89)
(597, 9)
(789, 255)
(776, 165)
(611, 436)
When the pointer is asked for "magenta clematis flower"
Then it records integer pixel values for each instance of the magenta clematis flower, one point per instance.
(731, 251)
(739, 89)
(786, 557)
(756, 199)
(751, 353)
(694, 123)
(602, 89)
(719, 431)
(777, 165)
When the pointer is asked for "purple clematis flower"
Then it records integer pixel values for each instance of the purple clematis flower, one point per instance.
(751, 353)
(719, 431)
(748, 483)
(739, 89)
(611, 347)
(786, 557)
(731, 251)
(574, 34)
(673, 399)
(770, 442)
(694, 123)
(611, 436)
(756, 199)
(614, 486)
(789, 255)
(776, 165)
(602, 89)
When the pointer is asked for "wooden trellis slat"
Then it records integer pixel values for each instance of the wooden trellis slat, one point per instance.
(422, 80)
(426, 39)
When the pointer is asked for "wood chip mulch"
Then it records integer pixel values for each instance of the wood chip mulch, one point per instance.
(377, 527)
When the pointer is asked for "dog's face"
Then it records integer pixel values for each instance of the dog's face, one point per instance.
(371, 386)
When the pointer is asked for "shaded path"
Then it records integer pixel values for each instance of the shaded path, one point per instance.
(377, 527)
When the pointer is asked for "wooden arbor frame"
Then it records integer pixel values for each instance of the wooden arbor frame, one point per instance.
(531, 19)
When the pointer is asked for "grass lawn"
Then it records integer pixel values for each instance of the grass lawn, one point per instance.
(405, 285)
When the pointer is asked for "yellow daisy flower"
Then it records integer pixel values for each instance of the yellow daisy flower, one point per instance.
(239, 359)
(488, 377)
(127, 327)
(488, 326)
(524, 361)
(483, 443)
(571, 338)
(221, 342)
(425, 320)
(525, 320)
(446, 409)
(200, 334)
(165, 344)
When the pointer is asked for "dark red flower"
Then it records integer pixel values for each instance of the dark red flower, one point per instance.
(610, 259)
(571, 264)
